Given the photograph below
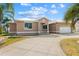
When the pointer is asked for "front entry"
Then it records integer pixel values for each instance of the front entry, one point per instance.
(44, 28)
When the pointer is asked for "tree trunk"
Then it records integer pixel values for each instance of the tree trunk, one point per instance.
(0, 28)
(73, 25)
(72, 30)
(7, 29)
(0, 24)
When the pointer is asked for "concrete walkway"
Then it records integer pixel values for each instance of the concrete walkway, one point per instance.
(42, 45)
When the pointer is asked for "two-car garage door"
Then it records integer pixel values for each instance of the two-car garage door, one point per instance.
(64, 30)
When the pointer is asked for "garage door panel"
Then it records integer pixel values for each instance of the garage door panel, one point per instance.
(64, 30)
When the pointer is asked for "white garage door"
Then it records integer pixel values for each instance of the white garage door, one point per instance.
(64, 30)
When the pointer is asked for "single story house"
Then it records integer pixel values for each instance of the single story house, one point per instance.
(77, 26)
(21, 27)
(41, 26)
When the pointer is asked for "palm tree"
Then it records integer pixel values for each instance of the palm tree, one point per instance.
(6, 9)
(1, 17)
(72, 16)
(10, 10)
(6, 24)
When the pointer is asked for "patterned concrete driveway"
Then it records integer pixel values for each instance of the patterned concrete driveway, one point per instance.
(42, 45)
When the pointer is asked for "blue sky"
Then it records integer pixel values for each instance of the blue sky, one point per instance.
(53, 11)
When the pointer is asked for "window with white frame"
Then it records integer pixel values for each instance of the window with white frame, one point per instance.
(28, 25)
(44, 26)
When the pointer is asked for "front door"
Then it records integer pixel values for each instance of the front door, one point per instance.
(44, 28)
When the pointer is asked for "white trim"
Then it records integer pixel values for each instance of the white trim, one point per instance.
(47, 28)
(27, 32)
(25, 28)
(54, 31)
(27, 21)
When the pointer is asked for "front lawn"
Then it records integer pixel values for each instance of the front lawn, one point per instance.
(70, 46)
(10, 40)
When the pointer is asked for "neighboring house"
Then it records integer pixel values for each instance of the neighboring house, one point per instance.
(21, 27)
(77, 26)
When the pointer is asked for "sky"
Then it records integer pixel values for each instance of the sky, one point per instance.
(52, 11)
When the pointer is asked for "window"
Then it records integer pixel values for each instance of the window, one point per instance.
(28, 25)
(44, 26)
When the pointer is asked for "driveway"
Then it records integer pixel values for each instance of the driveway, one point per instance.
(42, 45)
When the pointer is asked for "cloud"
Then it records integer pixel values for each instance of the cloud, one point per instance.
(41, 9)
(35, 16)
(53, 6)
(54, 11)
(62, 5)
(35, 12)
(25, 4)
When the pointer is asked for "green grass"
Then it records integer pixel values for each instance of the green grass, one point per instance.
(70, 46)
(10, 40)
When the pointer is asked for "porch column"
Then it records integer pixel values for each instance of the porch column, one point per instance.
(38, 27)
(48, 28)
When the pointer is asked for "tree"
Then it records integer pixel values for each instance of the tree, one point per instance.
(6, 10)
(10, 10)
(1, 17)
(5, 23)
(72, 16)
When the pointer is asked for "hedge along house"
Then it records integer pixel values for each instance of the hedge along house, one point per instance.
(25, 27)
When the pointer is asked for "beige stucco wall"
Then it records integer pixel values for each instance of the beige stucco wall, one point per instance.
(77, 26)
(37, 26)
(54, 27)
(12, 27)
(21, 28)
(43, 21)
